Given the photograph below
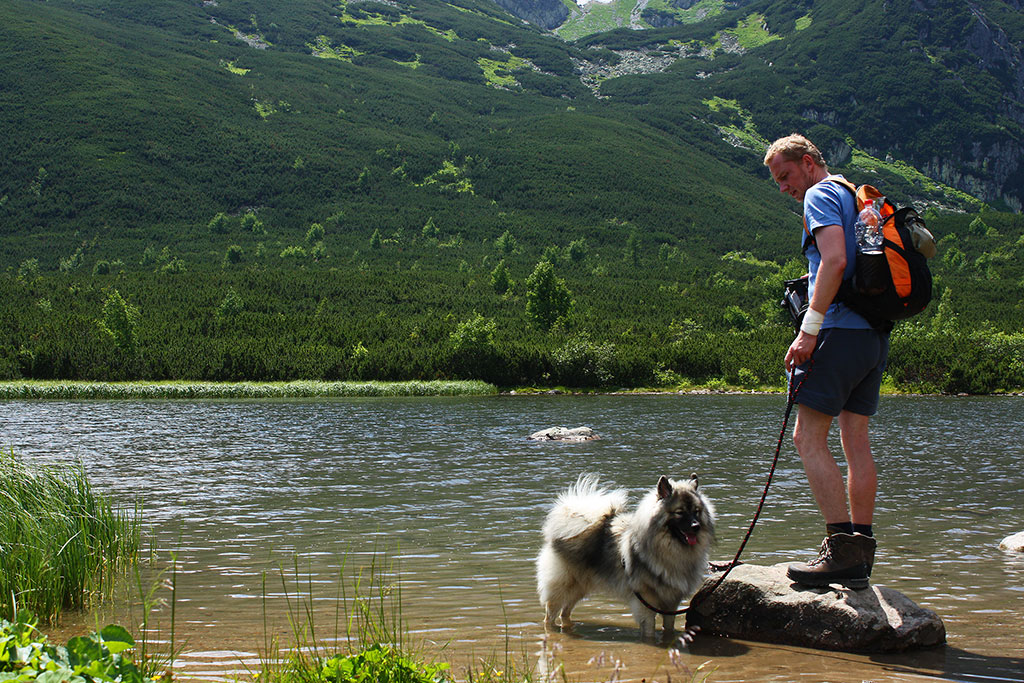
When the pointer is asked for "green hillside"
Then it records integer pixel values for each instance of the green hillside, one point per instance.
(244, 189)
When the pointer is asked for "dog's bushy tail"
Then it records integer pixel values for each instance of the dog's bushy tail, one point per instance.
(581, 506)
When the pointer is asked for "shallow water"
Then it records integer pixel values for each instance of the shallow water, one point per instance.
(264, 503)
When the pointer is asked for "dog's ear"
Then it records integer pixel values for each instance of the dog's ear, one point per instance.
(693, 480)
(664, 488)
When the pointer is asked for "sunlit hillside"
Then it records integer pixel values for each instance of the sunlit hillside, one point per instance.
(244, 189)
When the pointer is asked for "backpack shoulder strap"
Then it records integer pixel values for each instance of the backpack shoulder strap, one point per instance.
(849, 186)
(844, 183)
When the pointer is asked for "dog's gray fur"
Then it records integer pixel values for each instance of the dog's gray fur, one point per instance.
(591, 542)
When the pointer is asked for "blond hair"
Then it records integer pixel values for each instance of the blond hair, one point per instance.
(793, 148)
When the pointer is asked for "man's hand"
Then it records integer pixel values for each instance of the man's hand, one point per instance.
(800, 350)
(831, 244)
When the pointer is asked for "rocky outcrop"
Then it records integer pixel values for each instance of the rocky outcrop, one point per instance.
(547, 14)
(761, 603)
(989, 43)
(1014, 543)
(990, 170)
(985, 171)
(563, 434)
(643, 61)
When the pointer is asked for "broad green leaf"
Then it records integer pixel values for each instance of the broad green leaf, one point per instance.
(116, 638)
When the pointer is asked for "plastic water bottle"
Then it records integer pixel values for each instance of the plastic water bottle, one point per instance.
(869, 229)
(871, 275)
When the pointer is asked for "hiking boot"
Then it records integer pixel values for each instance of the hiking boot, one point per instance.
(843, 558)
(869, 552)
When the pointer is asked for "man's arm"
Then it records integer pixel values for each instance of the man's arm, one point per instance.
(831, 243)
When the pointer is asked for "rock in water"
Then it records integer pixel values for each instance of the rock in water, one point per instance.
(563, 434)
(1014, 543)
(763, 604)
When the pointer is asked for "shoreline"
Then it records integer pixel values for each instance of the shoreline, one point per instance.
(184, 389)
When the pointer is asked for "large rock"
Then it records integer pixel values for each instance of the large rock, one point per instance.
(563, 434)
(761, 603)
(1014, 543)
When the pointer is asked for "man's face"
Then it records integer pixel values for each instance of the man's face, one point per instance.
(793, 177)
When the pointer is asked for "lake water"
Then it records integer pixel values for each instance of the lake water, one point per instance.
(265, 501)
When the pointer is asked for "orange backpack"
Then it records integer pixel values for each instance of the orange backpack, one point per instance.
(907, 246)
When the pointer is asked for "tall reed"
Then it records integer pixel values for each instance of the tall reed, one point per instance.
(62, 544)
(65, 390)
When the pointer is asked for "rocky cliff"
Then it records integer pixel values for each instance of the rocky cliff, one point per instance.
(989, 169)
(544, 13)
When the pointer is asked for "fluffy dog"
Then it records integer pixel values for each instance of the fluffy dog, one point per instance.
(659, 551)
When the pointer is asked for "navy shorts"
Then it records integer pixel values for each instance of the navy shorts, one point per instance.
(846, 373)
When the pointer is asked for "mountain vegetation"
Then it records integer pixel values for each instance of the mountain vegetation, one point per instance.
(252, 190)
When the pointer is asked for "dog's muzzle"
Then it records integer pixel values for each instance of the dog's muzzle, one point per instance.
(686, 533)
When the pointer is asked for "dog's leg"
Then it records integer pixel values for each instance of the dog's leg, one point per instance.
(668, 622)
(567, 617)
(570, 596)
(550, 614)
(644, 619)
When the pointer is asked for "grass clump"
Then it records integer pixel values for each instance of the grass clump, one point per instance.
(369, 627)
(62, 544)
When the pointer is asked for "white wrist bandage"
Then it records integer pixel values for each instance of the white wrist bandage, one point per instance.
(812, 322)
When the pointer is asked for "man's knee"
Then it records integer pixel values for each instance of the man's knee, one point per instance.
(810, 435)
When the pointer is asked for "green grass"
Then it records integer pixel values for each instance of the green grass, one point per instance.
(597, 18)
(63, 545)
(322, 48)
(741, 131)
(64, 390)
(377, 19)
(368, 624)
(752, 32)
(499, 73)
(237, 70)
(705, 9)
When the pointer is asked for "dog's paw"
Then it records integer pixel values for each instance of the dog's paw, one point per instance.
(687, 636)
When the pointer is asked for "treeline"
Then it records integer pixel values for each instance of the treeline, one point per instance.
(628, 312)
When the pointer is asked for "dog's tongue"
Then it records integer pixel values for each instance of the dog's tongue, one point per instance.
(691, 538)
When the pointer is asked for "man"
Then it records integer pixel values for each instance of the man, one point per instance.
(840, 358)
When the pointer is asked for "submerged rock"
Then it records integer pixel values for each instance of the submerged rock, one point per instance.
(563, 434)
(763, 604)
(1013, 543)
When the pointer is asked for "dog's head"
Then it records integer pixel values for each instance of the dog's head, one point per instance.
(687, 514)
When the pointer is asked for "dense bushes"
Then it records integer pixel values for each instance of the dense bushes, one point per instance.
(427, 306)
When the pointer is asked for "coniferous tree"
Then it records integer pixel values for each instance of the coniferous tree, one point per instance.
(547, 296)
(121, 322)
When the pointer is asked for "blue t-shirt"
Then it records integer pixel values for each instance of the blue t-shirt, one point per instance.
(828, 203)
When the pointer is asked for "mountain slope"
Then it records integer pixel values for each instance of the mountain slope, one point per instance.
(313, 189)
(938, 85)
